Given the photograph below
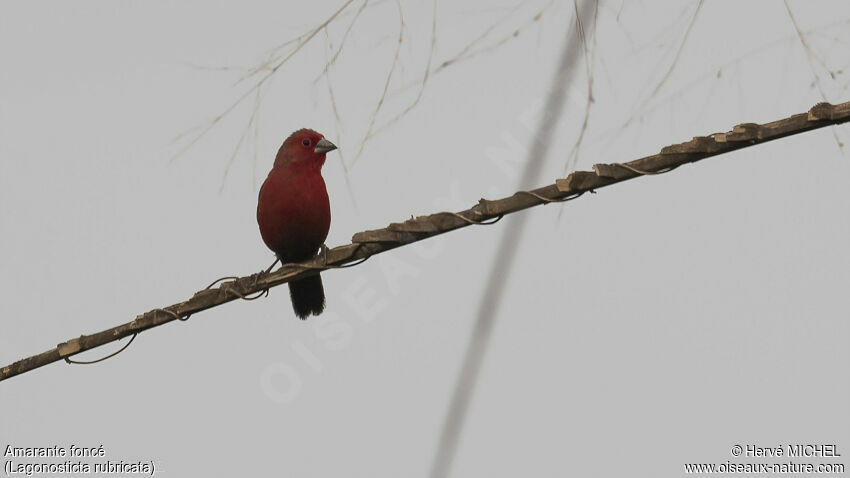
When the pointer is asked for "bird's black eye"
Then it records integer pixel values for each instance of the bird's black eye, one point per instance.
(305, 142)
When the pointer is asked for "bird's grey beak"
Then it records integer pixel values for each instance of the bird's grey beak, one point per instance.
(323, 146)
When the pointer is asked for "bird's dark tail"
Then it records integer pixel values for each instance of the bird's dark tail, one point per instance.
(308, 296)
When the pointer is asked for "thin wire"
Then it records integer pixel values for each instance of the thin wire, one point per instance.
(265, 292)
(546, 200)
(219, 280)
(262, 293)
(352, 264)
(645, 173)
(82, 362)
(319, 267)
(171, 313)
(473, 221)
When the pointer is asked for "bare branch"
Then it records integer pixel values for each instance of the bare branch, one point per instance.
(368, 243)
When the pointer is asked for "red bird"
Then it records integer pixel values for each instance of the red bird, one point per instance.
(294, 213)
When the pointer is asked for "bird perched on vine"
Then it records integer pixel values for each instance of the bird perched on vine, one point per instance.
(294, 214)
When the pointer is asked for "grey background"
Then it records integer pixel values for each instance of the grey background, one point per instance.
(656, 323)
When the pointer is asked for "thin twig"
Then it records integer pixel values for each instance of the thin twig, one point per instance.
(252, 121)
(468, 51)
(386, 84)
(342, 41)
(271, 71)
(424, 78)
(672, 65)
(338, 128)
(810, 56)
(589, 64)
(469, 46)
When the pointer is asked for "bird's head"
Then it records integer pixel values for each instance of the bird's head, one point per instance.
(304, 148)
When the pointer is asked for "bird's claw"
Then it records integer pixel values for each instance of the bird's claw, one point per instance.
(276, 260)
(265, 272)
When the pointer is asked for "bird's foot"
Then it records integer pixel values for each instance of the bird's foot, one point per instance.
(266, 272)
(276, 260)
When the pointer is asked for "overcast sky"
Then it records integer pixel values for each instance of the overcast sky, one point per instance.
(656, 323)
